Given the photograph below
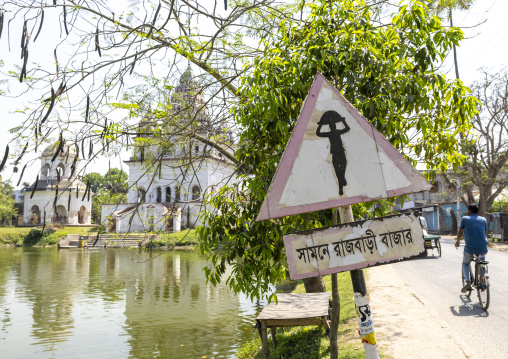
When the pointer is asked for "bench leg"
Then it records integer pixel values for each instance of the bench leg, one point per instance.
(264, 340)
(274, 340)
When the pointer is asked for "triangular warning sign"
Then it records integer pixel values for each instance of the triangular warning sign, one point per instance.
(334, 158)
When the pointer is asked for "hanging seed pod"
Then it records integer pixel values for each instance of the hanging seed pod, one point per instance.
(36, 139)
(65, 19)
(90, 152)
(59, 149)
(58, 177)
(1, 23)
(225, 4)
(87, 189)
(40, 25)
(2, 164)
(21, 176)
(22, 153)
(69, 203)
(52, 103)
(56, 61)
(35, 186)
(87, 107)
(153, 21)
(23, 69)
(23, 38)
(44, 221)
(97, 45)
(56, 197)
(133, 64)
(88, 194)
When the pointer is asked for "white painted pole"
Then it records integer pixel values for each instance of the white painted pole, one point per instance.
(459, 214)
(362, 308)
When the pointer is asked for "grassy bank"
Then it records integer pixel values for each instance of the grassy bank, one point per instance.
(185, 238)
(312, 342)
(29, 236)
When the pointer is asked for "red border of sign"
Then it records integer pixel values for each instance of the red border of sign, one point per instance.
(269, 208)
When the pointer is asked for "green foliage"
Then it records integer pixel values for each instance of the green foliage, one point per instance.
(387, 73)
(36, 236)
(312, 342)
(107, 189)
(7, 210)
(179, 239)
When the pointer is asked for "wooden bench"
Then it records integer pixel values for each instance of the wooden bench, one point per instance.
(293, 309)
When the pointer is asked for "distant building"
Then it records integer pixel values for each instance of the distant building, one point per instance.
(173, 197)
(58, 196)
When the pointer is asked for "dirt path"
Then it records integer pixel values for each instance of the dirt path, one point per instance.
(405, 327)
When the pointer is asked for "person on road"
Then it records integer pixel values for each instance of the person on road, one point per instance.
(474, 229)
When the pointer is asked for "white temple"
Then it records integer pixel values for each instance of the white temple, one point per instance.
(58, 196)
(172, 197)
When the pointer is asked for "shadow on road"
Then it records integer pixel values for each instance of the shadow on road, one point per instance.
(468, 308)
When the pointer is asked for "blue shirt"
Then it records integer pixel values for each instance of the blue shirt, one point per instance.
(474, 227)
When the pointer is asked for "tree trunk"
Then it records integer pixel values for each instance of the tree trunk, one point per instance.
(314, 285)
(453, 231)
(482, 203)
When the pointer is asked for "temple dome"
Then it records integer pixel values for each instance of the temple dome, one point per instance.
(51, 150)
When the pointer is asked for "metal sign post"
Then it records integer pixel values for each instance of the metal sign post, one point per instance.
(334, 158)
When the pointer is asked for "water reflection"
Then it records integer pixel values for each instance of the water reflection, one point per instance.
(110, 303)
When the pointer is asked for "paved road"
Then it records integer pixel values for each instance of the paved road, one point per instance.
(437, 283)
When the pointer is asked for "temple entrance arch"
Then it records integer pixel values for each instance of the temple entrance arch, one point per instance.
(60, 214)
(36, 215)
(82, 215)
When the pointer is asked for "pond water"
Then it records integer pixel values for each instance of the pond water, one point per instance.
(103, 303)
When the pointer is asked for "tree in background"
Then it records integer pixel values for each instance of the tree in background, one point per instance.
(7, 210)
(387, 72)
(446, 7)
(108, 189)
(486, 147)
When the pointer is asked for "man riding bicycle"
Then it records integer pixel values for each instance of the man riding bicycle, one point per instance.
(474, 229)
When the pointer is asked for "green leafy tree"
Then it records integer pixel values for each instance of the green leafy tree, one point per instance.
(108, 189)
(445, 8)
(387, 72)
(7, 210)
(96, 181)
(115, 181)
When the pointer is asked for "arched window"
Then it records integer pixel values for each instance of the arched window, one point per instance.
(196, 193)
(141, 195)
(159, 195)
(177, 194)
(82, 215)
(168, 194)
(61, 168)
(60, 214)
(45, 170)
(36, 215)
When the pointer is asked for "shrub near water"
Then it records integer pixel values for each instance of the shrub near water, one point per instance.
(38, 236)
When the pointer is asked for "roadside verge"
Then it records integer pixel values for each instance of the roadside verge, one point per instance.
(405, 327)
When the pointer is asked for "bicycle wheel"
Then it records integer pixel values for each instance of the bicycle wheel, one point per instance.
(483, 289)
(438, 246)
(468, 293)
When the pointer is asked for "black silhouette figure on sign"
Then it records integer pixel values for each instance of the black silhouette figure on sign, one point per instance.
(331, 118)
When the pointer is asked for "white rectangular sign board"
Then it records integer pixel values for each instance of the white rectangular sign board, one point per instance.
(353, 246)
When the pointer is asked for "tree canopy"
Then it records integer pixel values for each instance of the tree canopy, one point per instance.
(109, 188)
(386, 72)
(7, 210)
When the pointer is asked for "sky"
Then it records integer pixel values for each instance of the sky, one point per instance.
(485, 26)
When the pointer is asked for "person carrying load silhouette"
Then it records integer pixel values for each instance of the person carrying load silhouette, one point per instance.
(339, 161)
